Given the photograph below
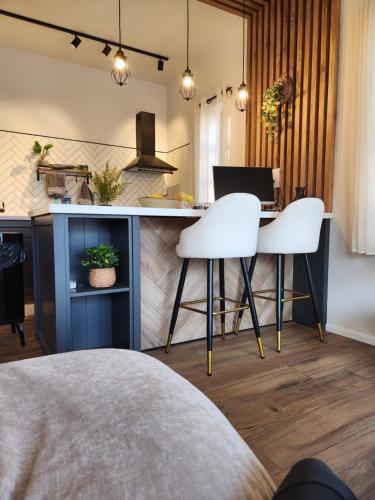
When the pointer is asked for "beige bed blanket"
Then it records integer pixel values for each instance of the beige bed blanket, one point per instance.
(114, 424)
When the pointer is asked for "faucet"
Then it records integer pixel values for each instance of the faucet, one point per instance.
(3, 208)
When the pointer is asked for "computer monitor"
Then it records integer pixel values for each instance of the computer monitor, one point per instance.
(252, 180)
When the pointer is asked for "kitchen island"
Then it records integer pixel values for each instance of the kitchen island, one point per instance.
(135, 312)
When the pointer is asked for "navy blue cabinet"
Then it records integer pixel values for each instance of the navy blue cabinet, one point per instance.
(85, 318)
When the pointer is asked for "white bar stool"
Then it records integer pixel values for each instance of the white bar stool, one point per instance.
(295, 231)
(228, 230)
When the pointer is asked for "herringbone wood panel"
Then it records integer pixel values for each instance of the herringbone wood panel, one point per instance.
(160, 271)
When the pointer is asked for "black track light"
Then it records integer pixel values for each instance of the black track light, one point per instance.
(160, 65)
(75, 42)
(107, 49)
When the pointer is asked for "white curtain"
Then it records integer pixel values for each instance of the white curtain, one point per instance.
(363, 236)
(212, 140)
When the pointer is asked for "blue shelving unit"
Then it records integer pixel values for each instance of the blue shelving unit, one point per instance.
(85, 318)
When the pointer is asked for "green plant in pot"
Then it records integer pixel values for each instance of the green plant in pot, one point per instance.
(107, 184)
(279, 93)
(102, 261)
(42, 151)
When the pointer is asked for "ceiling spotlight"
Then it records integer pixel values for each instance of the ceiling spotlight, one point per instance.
(75, 42)
(160, 65)
(107, 49)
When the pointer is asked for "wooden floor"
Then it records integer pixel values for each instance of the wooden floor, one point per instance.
(312, 400)
(10, 349)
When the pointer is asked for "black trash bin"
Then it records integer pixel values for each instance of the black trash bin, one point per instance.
(12, 308)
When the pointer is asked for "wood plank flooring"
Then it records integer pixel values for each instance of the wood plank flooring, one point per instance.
(10, 349)
(312, 400)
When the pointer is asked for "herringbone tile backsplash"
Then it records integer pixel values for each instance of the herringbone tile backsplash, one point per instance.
(21, 191)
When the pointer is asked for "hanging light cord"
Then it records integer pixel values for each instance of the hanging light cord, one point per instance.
(187, 33)
(243, 43)
(119, 21)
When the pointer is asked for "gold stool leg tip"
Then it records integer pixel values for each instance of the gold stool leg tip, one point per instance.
(278, 349)
(223, 331)
(237, 327)
(321, 333)
(209, 363)
(260, 346)
(169, 342)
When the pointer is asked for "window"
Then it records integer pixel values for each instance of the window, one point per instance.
(210, 148)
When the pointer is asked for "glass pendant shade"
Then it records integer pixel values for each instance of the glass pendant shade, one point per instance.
(242, 97)
(187, 88)
(120, 71)
(243, 93)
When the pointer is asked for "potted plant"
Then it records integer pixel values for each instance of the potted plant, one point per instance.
(37, 149)
(279, 93)
(102, 261)
(107, 184)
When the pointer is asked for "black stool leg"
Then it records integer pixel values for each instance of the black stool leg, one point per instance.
(250, 298)
(13, 326)
(313, 297)
(243, 298)
(280, 260)
(210, 317)
(222, 296)
(21, 334)
(177, 302)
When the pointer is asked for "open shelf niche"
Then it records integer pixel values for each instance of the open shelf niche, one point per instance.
(100, 317)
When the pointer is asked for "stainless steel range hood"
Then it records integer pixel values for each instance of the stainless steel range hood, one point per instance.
(146, 161)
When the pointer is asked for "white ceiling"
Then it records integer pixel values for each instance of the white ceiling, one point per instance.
(154, 25)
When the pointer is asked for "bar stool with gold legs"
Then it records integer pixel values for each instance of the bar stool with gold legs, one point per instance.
(295, 231)
(228, 230)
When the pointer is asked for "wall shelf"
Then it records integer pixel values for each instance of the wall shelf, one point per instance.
(68, 172)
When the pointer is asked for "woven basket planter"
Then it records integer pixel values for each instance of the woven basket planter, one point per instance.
(287, 92)
(102, 278)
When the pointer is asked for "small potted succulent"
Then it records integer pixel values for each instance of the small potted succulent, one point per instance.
(102, 261)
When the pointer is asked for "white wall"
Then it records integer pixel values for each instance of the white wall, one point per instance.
(351, 304)
(47, 96)
(222, 68)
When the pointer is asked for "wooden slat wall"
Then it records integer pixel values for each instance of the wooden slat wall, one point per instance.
(300, 38)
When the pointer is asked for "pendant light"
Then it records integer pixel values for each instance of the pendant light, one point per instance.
(243, 93)
(187, 87)
(120, 71)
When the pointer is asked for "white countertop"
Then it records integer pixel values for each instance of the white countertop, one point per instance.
(142, 212)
